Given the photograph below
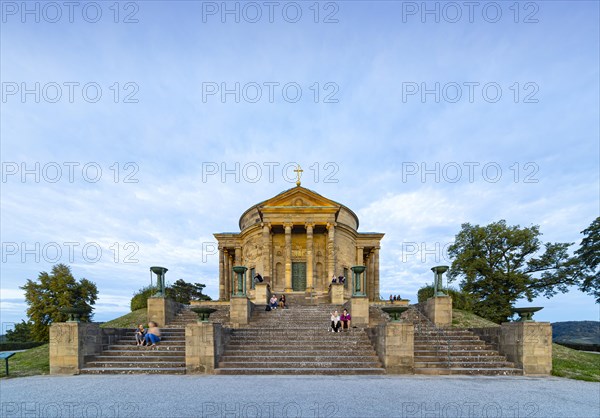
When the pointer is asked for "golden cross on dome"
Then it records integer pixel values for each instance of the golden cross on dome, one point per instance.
(298, 171)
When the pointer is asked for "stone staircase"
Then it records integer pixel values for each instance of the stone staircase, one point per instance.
(168, 357)
(297, 340)
(125, 357)
(454, 351)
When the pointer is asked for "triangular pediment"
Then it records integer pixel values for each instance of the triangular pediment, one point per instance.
(298, 197)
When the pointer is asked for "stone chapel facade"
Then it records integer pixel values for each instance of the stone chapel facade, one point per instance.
(298, 240)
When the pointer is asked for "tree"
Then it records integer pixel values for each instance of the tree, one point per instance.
(499, 264)
(588, 256)
(21, 333)
(53, 291)
(184, 292)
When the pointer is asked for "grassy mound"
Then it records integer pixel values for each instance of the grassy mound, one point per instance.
(32, 362)
(130, 320)
(575, 364)
(464, 319)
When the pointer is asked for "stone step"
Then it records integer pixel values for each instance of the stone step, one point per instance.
(468, 371)
(466, 352)
(306, 363)
(451, 338)
(464, 364)
(248, 352)
(133, 370)
(142, 353)
(316, 347)
(282, 358)
(134, 359)
(443, 359)
(158, 347)
(453, 346)
(327, 339)
(300, 371)
(134, 364)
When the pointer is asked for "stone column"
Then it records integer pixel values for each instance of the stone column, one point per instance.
(266, 243)
(222, 281)
(359, 256)
(230, 274)
(371, 277)
(375, 288)
(237, 262)
(331, 250)
(288, 257)
(226, 281)
(310, 268)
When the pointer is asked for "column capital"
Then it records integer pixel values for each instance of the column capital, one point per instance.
(310, 225)
(331, 225)
(288, 225)
(266, 224)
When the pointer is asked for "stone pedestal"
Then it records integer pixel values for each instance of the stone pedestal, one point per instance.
(359, 310)
(336, 294)
(395, 347)
(202, 347)
(161, 310)
(70, 344)
(261, 293)
(239, 311)
(528, 345)
(439, 310)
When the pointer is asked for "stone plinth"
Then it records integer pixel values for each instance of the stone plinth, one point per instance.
(203, 346)
(394, 344)
(528, 345)
(336, 293)
(261, 293)
(162, 310)
(359, 310)
(439, 310)
(70, 344)
(239, 311)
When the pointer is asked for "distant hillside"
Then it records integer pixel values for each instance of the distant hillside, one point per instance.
(576, 332)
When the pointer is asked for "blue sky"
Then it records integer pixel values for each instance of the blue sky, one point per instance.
(421, 122)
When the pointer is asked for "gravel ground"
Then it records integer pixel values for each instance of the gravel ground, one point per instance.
(294, 396)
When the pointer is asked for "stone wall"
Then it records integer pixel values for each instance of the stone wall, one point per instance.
(162, 310)
(439, 310)
(528, 345)
(394, 344)
(72, 344)
(204, 345)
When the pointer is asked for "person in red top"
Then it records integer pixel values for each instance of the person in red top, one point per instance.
(345, 318)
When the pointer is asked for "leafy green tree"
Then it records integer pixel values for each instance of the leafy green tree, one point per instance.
(499, 264)
(588, 256)
(184, 292)
(21, 333)
(53, 291)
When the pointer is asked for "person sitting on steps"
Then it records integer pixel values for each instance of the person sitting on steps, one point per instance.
(346, 320)
(140, 334)
(282, 302)
(335, 321)
(153, 334)
(273, 301)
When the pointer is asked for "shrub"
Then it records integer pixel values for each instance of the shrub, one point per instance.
(140, 299)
